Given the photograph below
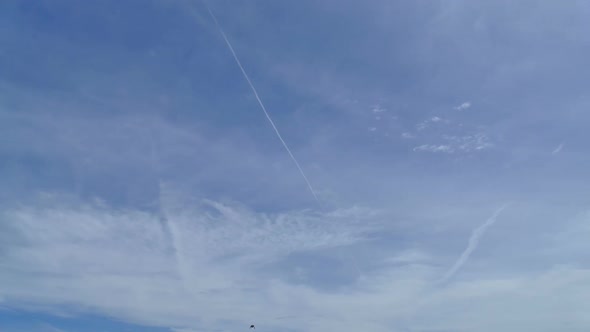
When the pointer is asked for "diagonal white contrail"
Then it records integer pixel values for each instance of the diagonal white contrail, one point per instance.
(473, 242)
(260, 102)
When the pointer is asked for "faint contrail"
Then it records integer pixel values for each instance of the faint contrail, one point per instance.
(473, 242)
(167, 226)
(557, 149)
(260, 101)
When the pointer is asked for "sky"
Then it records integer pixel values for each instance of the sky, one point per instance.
(144, 189)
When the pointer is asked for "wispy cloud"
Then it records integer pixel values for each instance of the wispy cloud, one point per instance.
(434, 148)
(138, 183)
(378, 109)
(429, 122)
(407, 135)
(115, 263)
(468, 143)
(458, 144)
(463, 106)
(94, 253)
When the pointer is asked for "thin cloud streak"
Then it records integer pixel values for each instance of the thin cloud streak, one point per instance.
(473, 242)
(557, 149)
(261, 104)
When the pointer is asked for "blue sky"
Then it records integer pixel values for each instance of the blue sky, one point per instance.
(143, 189)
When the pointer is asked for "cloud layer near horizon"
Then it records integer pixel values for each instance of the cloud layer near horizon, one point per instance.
(225, 266)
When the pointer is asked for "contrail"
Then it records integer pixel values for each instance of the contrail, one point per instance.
(557, 149)
(260, 102)
(473, 242)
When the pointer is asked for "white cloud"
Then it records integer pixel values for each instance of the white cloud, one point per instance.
(378, 109)
(408, 135)
(463, 106)
(426, 123)
(464, 144)
(117, 262)
(434, 148)
(470, 143)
